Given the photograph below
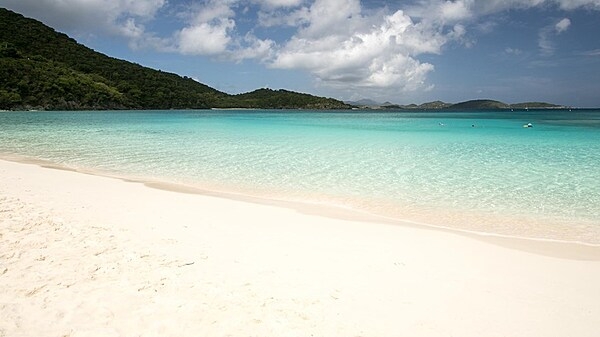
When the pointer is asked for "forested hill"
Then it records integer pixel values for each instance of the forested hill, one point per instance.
(283, 99)
(43, 69)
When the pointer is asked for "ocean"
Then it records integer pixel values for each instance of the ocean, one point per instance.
(471, 171)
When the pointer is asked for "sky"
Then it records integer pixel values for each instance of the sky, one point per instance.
(411, 51)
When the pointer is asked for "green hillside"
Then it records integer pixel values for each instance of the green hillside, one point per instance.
(485, 104)
(434, 105)
(536, 105)
(283, 99)
(43, 69)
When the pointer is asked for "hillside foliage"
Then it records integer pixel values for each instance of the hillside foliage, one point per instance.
(44, 69)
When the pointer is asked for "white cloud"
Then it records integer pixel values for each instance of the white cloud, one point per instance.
(513, 51)
(207, 30)
(562, 25)
(593, 53)
(121, 17)
(454, 11)
(271, 18)
(451, 11)
(547, 46)
(278, 3)
(545, 43)
(211, 31)
(572, 4)
(205, 38)
(206, 12)
(441, 11)
(327, 17)
(342, 44)
(366, 55)
(131, 29)
(252, 47)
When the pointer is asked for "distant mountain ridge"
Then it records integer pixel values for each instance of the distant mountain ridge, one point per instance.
(43, 69)
(487, 104)
(477, 104)
(364, 103)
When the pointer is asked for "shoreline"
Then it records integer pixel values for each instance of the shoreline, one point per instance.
(552, 247)
(87, 255)
(438, 180)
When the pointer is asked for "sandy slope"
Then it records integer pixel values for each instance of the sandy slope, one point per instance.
(83, 255)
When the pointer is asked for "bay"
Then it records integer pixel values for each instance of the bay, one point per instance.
(474, 171)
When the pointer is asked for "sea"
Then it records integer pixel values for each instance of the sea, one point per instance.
(476, 171)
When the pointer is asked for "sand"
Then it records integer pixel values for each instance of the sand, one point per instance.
(86, 255)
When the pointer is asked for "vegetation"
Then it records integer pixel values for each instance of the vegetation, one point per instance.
(434, 105)
(283, 99)
(43, 69)
(535, 105)
(485, 104)
(494, 105)
(479, 104)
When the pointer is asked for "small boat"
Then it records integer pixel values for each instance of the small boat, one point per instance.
(528, 125)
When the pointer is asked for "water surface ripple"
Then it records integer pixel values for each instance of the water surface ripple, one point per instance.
(477, 171)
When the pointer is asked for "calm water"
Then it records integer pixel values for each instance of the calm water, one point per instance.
(475, 171)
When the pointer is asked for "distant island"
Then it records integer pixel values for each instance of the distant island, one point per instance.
(41, 69)
(478, 104)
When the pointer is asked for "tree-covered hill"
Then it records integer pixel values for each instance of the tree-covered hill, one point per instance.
(485, 104)
(44, 69)
(536, 105)
(283, 99)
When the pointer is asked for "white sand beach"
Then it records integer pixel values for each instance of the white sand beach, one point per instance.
(86, 255)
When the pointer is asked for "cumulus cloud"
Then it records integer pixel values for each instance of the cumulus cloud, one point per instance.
(572, 4)
(451, 11)
(123, 17)
(251, 47)
(207, 30)
(441, 11)
(342, 44)
(545, 42)
(205, 38)
(366, 55)
(278, 3)
(562, 25)
(210, 30)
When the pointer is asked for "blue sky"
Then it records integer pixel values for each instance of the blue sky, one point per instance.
(404, 52)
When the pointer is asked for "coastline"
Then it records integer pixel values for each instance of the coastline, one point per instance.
(90, 255)
(568, 249)
(398, 175)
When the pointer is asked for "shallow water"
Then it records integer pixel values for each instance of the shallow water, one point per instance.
(478, 171)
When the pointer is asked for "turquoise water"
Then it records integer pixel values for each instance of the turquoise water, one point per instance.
(477, 171)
